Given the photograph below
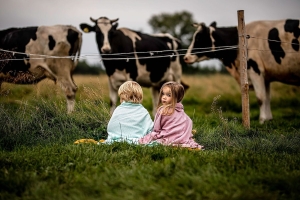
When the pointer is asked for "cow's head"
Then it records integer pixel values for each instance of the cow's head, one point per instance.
(105, 29)
(202, 44)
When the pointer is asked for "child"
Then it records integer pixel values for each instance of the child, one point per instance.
(130, 120)
(172, 126)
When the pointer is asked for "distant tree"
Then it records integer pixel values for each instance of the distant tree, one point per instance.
(178, 24)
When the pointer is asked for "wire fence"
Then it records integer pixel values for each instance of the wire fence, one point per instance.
(141, 55)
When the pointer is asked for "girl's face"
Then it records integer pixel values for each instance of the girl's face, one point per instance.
(166, 96)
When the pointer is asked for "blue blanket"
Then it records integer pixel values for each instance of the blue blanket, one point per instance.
(129, 122)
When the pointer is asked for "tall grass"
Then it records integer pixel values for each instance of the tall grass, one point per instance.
(39, 160)
(41, 119)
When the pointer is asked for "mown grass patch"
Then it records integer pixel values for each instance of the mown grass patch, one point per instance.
(129, 172)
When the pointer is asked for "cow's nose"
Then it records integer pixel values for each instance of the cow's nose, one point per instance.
(106, 51)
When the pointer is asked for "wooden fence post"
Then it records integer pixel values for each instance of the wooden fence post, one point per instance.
(243, 69)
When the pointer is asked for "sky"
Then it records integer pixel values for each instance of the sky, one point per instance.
(135, 14)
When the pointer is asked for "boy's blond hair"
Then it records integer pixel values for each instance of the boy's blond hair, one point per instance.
(130, 91)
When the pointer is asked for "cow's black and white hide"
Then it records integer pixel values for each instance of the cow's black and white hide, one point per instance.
(31, 54)
(150, 60)
(273, 54)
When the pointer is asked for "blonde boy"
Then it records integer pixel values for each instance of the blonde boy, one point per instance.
(130, 120)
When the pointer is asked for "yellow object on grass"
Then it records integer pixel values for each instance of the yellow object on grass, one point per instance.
(85, 141)
(88, 141)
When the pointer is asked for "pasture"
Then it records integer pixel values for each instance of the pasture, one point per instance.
(39, 160)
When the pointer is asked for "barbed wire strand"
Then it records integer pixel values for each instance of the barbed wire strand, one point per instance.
(271, 40)
(83, 56)
(151, 53)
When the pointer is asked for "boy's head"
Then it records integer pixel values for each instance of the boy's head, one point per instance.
(130, 91)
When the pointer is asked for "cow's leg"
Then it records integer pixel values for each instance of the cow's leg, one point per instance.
(155, 95)
(264, 101)
(68, 86)
(114, 83)
(265, 107)
(70, 94)
(113, 96)
(60, 71)
(262, 92)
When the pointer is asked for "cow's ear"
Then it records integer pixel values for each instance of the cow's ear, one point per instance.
(87, 28)
(213, 24)
(115, 26)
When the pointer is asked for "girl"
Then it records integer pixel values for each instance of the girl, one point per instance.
(130, 120)
(172, 126)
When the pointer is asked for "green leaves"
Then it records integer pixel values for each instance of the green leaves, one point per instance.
(178, 24)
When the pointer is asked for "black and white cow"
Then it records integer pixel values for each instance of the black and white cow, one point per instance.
(29, 55)
(273, 54)
(151, 60)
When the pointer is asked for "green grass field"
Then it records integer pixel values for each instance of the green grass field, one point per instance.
(39, 160)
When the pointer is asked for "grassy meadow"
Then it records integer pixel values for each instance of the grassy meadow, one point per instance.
(39, 160)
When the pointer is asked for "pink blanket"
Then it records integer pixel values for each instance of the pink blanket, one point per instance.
(174, 130)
